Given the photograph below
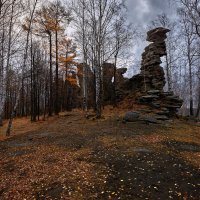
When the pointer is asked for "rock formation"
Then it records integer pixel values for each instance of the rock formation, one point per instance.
(152, 77)
(145, 88)
(108, 90)
(108, 87)
(151, 71)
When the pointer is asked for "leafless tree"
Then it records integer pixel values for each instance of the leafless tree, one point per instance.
(96, 24)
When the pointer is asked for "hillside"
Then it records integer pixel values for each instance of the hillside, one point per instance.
(70, 157)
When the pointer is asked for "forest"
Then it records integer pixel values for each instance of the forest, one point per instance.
(40, 62)
(94, 105)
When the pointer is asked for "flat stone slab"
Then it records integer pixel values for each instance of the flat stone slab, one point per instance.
(150, 97)
(142, 150)
(153, 92)
(19, 144)
(162, 117)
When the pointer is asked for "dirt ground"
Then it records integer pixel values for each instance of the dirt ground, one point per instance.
(73, 158)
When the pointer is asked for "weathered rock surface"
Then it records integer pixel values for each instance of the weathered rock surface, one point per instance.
(108, 86)
(151, 71)
(108, 77)
(131, 116)
(157, 34)
(151, 80)
(144, 88)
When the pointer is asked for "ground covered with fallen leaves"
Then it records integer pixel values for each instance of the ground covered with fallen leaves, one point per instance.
(73, 158)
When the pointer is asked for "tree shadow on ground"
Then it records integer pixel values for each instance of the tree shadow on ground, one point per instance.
(141, 174)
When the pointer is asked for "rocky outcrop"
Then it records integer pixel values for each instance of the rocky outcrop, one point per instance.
(152, 77)
(131, 116)
(164, 103)
(108, 87)
(144, 88)
(152, 73)
(108, 77)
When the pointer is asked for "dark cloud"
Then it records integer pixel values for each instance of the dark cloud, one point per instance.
(142, 12)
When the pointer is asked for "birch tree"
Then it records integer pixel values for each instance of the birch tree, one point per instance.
(191, 8)
(9, 12)
(190, 52)
(32, 11)
(95, 20)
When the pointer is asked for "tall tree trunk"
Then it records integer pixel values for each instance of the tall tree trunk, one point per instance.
(66, 85)
(34, 90)
(57, 84)
(2, 86)
(22, 99)
(114, 82)
(191, 89)
(198, 106)
(98, 91)
(169, 87)
(50, 76)
(6, 81)
(23, 68)
(32, 81)
(85, 99)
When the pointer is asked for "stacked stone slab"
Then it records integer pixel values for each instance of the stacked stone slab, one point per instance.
(153, 78)
(164, 103)
(151, 71)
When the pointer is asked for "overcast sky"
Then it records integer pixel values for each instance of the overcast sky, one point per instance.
(141, 13)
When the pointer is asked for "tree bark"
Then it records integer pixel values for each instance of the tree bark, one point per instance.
(198, 106)
(57, 84)
(168, 74)
(98, 92)
(22, 75)
(114, 82)
(50, 76)
(191, 88)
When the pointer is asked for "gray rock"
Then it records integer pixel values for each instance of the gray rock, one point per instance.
(162, 118)
(163, 113)
(131, 116)
(152, 92)
(155, 105)
(172, 106)
(151, 120)
(149, 97)
(142, 150)
(152, 78)
(168, 93)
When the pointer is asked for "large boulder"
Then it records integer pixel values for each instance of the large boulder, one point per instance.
(131, 116)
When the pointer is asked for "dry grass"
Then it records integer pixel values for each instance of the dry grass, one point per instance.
(23, 125)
